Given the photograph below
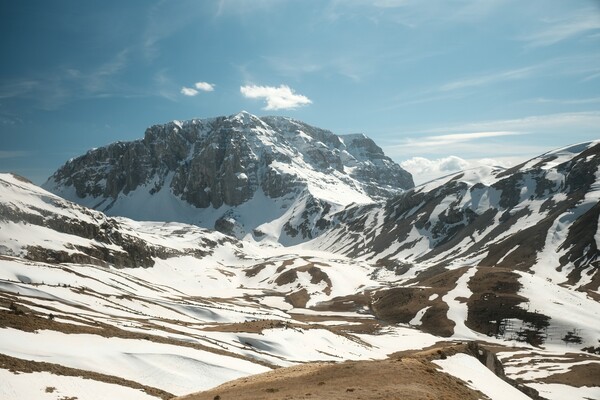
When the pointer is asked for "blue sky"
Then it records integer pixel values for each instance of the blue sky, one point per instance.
(439, 84)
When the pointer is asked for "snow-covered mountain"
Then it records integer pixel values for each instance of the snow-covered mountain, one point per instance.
(505, 258)
(540, 216)
(208, 308)
(271, 177)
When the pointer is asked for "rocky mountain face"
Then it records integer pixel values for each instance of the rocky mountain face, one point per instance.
(540, 216)
(183, 171)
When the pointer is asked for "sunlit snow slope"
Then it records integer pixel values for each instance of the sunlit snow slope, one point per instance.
(539, 217)
(156, 309)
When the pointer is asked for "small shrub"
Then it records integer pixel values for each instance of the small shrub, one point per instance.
(592, 349)
(572, 337)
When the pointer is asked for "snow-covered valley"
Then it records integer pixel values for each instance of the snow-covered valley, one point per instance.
(96, 306)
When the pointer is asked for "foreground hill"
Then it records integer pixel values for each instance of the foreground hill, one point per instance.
(268, 178)
(432, 373)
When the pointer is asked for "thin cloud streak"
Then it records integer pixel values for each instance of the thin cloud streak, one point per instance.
(6, 154)
(483, 139)
(53, 90)
(472, 135)
(510, 75)
(549, 123)
(543, 100)
(453, 139)
(568, 27)
(469, 86)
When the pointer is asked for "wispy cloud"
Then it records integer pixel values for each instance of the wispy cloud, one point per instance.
(569, 26)
(355, 66)
(499, 138)
(5, 154)
(588, 121)
(277, 98)
(544, 100)
(17, 88)
(412, 13)
(243, 8)
(100, 78)
(453, 138)
(461, 137)
(9, 118)
(591, 77)
(164, 19)
(568, 66)
(496, 77)
(53, 89)
(164, 85)
(294, 67)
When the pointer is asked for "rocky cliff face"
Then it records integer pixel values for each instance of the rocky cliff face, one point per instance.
(223, 163)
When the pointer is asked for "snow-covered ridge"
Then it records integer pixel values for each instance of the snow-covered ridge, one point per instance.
(540, 216)
(39, 225)
(204, 172)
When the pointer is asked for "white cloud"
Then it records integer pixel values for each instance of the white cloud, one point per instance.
(186, 91)
(199, 86)
(204, 86)
(277, 98)
(424, 169)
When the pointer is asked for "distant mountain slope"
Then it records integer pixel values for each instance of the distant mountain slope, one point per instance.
(40, 226)
(269, 177)
(540, 216)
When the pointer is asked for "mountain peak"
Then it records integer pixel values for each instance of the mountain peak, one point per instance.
(244, 117)
(218, 172)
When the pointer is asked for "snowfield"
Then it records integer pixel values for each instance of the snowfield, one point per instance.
(98, 307)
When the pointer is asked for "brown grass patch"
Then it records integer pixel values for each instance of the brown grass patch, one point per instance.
(578, 376)
(408, 377)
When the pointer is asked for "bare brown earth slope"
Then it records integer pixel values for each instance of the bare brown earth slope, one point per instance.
(407, 375)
